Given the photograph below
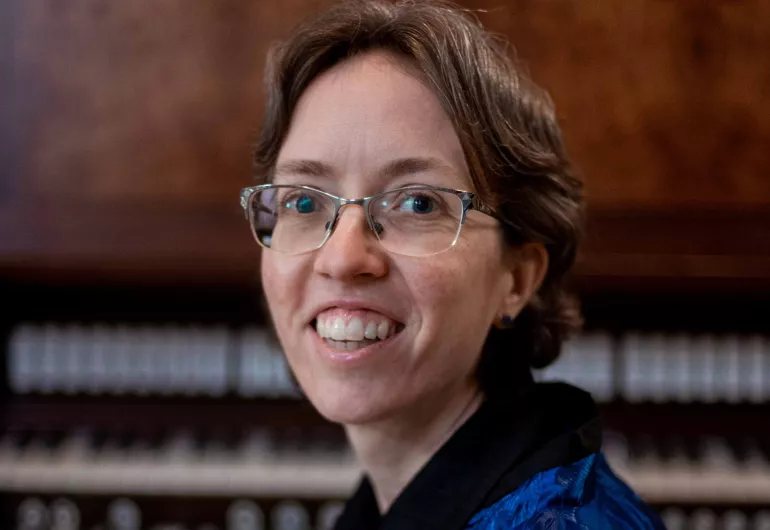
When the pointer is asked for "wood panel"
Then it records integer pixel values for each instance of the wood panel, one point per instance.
(140, 100)
(663, 103)
(129, 129)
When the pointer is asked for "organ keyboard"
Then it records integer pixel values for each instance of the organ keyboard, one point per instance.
(124, 427)
(253, 466)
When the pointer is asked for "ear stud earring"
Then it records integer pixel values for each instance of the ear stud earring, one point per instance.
(506, 321)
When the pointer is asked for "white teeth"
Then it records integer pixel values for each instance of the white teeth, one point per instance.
(338, 329)
(355, 330)
(371, 330)
(382, 330)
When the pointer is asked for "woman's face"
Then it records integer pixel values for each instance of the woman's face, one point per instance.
(356, 119)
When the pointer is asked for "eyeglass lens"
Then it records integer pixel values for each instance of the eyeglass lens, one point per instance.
(414, 222)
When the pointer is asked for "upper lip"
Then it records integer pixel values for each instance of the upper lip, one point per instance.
(353, 303)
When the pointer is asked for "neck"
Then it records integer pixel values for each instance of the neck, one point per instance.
(393, 450)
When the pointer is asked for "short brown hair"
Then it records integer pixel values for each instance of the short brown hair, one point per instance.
(505, 123)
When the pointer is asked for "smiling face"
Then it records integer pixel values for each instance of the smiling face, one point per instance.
(368, 333)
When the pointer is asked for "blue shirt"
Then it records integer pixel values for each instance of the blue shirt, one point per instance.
(583, 495)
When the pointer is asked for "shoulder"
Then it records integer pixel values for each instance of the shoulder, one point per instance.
(585, 495)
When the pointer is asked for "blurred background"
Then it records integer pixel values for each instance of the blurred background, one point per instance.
(138, 388)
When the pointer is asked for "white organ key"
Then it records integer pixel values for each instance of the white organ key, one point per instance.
(703, 519)
(256, 447)
(328, 514)
(290, 515)
(100, 339)
(256, 376)
(680, 377)
(157, 365)
(215, 365)
(76, 448)
(633, 368)
(269, 367)
(754, 361)
(32, 515)
(190, 352)
(124, 514)
(616, 449)
(734, 520)
(765, 369)
(657, 357)
(561, 369)
(565, 367)
(196, 356)
(674, 519)
(588, 363)
(726, 373)
(73, 367)
(130, 349)
(48, 363)
(245, 515)
(604, 345)
(282, 379)
(143, 376)
(180, 447)
(702, 367)
(63, 360)
(761, 520)
(119, 365)
(175, 349)
(574, 367)
(64, 515)
(716, 453)
(67, 361)
(22, 357)
(246, 363)
(8, 449)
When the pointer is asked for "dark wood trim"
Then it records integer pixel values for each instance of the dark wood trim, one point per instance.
(52, 241)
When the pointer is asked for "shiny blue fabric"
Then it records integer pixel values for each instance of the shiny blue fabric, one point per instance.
(585, 495)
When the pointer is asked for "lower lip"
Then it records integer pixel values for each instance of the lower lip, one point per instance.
(349, 357)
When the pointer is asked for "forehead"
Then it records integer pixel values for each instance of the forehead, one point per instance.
(368, 111)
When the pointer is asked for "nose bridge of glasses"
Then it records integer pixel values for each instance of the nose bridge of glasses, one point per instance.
(363, 203)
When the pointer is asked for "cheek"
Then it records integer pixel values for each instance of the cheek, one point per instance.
(282, 284)
(458, 291)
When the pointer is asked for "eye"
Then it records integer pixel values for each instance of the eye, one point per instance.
(302, 203)
(418, 203)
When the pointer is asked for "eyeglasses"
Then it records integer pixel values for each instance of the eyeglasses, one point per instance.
(411, 221)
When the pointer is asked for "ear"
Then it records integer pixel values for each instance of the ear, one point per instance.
(527, 267)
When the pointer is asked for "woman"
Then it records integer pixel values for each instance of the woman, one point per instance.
(419, 215)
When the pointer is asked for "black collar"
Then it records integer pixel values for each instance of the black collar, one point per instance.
(502, 445)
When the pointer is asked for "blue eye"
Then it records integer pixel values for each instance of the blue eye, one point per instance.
(303, 204)
(418, 204)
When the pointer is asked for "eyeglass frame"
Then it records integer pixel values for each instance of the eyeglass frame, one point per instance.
(470, 201)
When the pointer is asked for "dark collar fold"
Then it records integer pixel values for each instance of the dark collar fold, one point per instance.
(508, 440)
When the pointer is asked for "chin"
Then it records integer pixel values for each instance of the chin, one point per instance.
(351, 404)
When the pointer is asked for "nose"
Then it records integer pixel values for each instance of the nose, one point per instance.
(352, 250)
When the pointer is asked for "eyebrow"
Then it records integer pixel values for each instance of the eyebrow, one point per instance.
(308, 168)
(393, 169)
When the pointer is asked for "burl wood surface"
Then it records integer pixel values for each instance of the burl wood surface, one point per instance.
(130, 124)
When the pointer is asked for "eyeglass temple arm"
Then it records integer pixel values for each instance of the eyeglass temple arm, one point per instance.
(473, 202)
